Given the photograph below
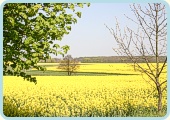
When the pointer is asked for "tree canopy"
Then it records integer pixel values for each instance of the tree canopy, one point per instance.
(29, 31)
(69, 64)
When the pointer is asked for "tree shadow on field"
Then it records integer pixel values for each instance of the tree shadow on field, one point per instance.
(64, 73)
(101, 74)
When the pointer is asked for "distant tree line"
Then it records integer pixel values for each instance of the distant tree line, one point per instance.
(117, 59)
(106, 59)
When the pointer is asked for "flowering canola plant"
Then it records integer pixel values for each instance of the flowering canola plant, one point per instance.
(124, 95)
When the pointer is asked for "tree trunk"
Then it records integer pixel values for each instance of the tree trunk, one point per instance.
(68, 67)
(157, 63)
(69, 73)
(159, 99)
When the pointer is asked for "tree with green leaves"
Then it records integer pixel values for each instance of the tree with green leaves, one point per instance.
(29, 31)
(69, 65)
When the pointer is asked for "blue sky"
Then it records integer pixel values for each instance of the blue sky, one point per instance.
(90, 37)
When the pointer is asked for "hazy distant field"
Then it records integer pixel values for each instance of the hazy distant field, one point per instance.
(118, 91)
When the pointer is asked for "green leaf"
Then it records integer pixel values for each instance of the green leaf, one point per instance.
(23, 15)
(68, 27)
(65, 48)
(79, 14)
(56, 46)
(36, 7)
(28, 41)
(35, 54)
(88, 4)
(58, 7)
(80, 5)
(53, 14)
(72, 7)
(28, 62)
(11, 20)
(59, 38)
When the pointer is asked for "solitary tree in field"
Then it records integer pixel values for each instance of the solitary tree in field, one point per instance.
(149, 40)
(69, 65)
(29, 32)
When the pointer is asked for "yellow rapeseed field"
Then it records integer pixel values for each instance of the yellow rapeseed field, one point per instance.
(119, 95)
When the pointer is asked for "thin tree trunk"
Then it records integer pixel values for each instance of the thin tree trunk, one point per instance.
(157, 64)
(68, 67)
(159, 99)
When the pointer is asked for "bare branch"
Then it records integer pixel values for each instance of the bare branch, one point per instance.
(164, 88)
(162, 67)
(163, 83)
